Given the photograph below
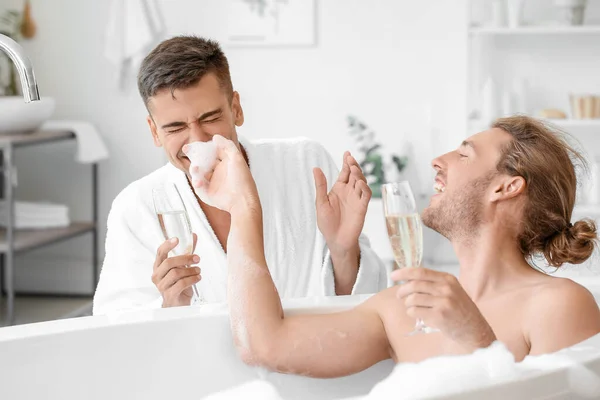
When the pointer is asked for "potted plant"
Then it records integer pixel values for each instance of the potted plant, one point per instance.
(375, 165)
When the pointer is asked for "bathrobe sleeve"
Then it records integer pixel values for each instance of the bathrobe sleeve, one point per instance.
(372, 274)
(126, 277)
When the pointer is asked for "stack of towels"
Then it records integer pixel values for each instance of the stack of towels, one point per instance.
(30, 215)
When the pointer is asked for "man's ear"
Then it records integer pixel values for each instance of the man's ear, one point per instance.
(236, 107)
(154, 131)
(508, 187)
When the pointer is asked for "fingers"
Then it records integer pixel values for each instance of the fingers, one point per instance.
(197, 177)
(412, 287)
(419, 300)
(424, 274)
(345, 172)
(208, 175)
(185, 283)
(163, 251)
(320, 186)
(364, 192)
(351, 161)
(195, 240)
(176, 275)
(426, 314)
(353, 177)
(171, 263)
(225, 147)
(357, 173)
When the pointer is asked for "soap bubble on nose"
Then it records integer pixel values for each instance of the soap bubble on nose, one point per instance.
(202, 156)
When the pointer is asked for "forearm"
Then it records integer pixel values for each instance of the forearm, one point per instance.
(482, 337)
(345, 269)
(315, 345)
(255, 307)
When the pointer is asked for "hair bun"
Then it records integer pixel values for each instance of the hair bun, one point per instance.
(572, 245)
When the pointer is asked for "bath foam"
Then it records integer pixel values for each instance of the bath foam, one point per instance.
(203, 156)
(449, 376)
(444, 375)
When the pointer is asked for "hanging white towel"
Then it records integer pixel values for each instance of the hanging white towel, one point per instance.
(90, 147)
(133, 28)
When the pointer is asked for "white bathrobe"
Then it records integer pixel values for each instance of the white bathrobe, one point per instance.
(296, 251)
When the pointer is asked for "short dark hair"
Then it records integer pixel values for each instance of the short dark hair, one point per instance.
(179, 63)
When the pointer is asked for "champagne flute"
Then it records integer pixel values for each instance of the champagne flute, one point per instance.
(405, 231)
(174, 222)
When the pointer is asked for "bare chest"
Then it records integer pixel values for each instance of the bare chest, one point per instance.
(506, 318)
(220, 222)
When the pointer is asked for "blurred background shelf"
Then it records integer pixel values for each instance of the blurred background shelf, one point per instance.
(536, 30)
(587, 210)
(18, 241)
(33, 238)
(576, 123)
(563, 123)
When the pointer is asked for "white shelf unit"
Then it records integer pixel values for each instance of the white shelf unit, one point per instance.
(485, 40)
(563, 123)
(536, 30)
(555, 58)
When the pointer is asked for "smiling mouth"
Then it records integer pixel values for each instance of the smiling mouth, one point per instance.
(439, 187)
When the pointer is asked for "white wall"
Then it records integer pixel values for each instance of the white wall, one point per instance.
(382, 60)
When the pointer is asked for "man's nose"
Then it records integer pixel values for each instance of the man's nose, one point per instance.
(439, 163)
(197, 133)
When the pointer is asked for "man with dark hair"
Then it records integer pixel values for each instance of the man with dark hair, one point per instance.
(186, 87)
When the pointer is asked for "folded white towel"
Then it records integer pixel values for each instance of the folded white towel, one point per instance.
(133, 27)
(90, 147)
(21, 223)
(30, 206)
(28, 215)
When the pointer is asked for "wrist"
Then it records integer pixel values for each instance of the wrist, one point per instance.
(484, 338)
(345, 268)
(246, 205)
(342, 252)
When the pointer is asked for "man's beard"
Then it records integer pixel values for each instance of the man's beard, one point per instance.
(460, 215)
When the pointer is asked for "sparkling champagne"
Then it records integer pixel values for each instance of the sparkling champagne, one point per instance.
(406, 237)
(176, 224)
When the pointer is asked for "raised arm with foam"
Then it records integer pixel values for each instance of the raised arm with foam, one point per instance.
(316, 345)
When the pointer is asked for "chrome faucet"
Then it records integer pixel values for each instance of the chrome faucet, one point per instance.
(24, 68)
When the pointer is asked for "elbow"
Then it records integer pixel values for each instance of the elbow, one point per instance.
(252, 350)
(254, 355)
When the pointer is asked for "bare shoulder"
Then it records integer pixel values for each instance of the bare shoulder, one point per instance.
(561, 313)
(562, 293)
(383, 303)
(394, 320)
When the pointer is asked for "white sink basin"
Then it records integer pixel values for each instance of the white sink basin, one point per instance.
(16, 116)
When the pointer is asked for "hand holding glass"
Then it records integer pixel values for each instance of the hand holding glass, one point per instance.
(404, 229)
(174, 222)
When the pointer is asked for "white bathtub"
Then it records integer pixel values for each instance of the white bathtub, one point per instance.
(187, 353)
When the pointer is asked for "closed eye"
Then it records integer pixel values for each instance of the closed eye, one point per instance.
(176, 130)
(209, 121)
